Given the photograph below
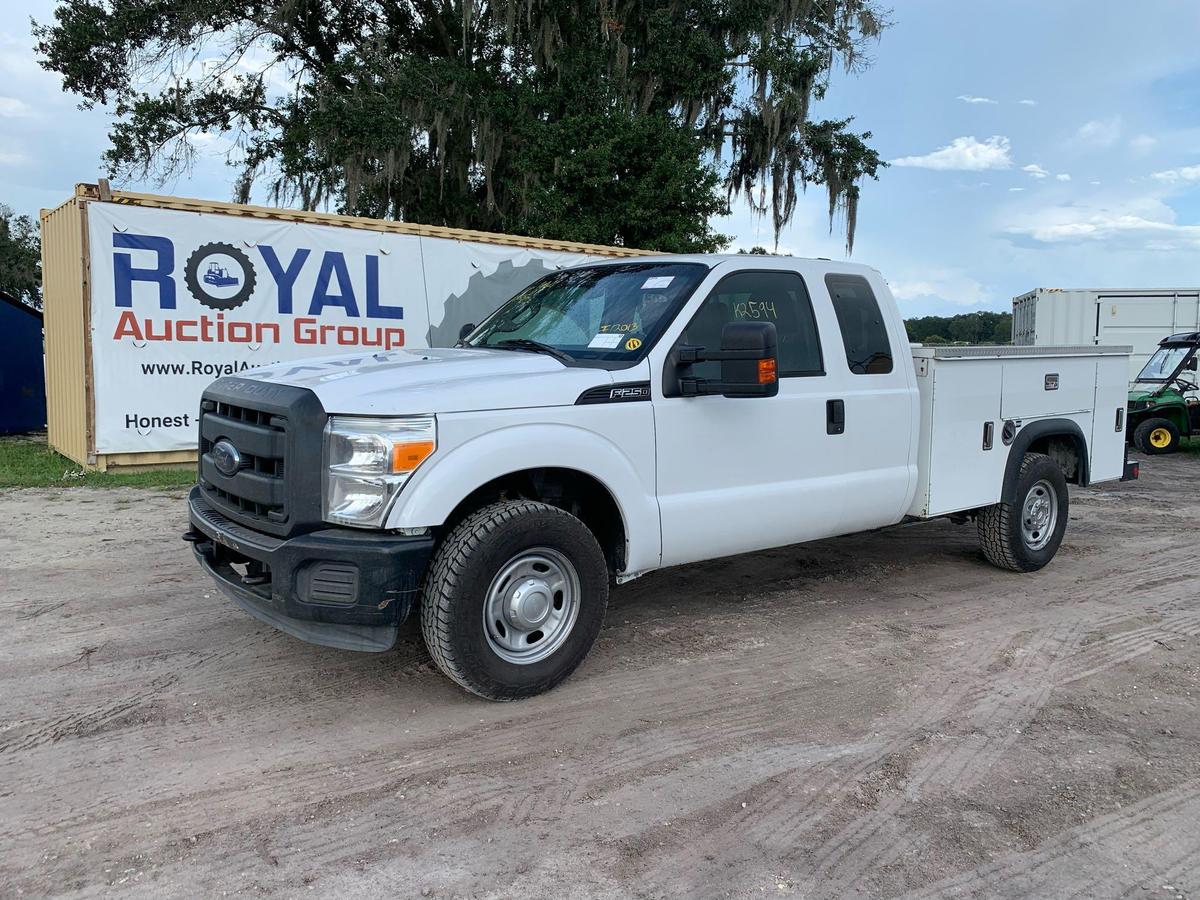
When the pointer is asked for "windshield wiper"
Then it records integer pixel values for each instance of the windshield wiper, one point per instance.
(536, 347)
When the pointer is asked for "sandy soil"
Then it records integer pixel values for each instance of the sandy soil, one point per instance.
(878, 715)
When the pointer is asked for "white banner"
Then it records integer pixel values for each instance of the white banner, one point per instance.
(179, 299)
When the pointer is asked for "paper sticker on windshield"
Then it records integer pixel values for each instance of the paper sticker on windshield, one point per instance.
(633, 343)
(606, 341)
(657, 282)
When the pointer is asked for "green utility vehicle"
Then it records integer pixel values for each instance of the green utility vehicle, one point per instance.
(1160, 411)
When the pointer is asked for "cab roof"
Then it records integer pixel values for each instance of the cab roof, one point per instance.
(749, 259)
(1191, 338)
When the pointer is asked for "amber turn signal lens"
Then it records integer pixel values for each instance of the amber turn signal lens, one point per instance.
(766, 371)
(406, 457)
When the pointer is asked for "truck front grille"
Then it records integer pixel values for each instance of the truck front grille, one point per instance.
(277, 431)
(257, 491)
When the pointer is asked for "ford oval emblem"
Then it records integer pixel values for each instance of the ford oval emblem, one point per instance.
(226, 458)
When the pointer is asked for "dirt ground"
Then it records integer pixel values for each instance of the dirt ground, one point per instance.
(878, 715)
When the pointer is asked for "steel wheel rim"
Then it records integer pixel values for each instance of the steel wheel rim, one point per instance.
(1160, 438)
(1039, 515)
(531, 606)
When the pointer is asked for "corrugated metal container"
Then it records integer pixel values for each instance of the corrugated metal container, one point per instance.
(66, 316)
(71, 401)
(1137, 317)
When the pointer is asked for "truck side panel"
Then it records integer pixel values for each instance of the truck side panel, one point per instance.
(612, 443)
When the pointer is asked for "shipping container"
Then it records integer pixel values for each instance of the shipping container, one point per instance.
(1137, 317)
(149, 298)
(22, 373)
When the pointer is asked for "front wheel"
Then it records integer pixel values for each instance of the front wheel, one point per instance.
(514, 599)
(1024, 536)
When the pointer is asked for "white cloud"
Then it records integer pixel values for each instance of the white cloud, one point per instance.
(1184, 175)
(1034, 170)
(971, 98)
(1138, 225)
(1063, 176)
(1093, 182)
(1100, 132)
(1015, 190)
(963, 154)
(946, 284)
(1027, 102)
(12, 157)
(12, 108)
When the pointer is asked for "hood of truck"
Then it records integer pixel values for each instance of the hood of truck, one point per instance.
(403, 382)
(1155, 396)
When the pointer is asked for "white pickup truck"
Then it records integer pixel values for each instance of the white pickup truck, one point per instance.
(618, 418)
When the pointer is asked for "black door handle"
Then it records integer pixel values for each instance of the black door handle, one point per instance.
(835, 416)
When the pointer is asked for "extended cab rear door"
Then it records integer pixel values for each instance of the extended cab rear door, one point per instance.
(829, 454)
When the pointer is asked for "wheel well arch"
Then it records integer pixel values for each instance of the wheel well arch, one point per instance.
(1177, 416)
(577, 492)
(1060, 439)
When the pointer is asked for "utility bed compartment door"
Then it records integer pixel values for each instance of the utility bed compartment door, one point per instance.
(959, 469)
(1107, 445)
(1048, 386)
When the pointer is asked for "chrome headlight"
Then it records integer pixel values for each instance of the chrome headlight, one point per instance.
(367, 461)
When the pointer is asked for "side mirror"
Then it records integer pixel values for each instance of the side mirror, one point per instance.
(1190, 365)
(749, 363)
(465, 330)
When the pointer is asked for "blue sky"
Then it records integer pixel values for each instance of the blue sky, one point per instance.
(1053, 143)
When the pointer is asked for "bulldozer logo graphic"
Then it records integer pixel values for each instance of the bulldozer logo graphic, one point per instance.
(220, 276)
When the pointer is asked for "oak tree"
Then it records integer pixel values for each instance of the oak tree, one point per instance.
(615, 122)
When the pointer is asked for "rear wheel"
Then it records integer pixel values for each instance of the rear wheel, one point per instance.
(1155, 436)
(1023, 536)
(514, 599)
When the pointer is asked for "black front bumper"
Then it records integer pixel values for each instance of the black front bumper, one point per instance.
(337, 586)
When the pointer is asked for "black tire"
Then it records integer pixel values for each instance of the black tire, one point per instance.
(1001, 535)
(457, 586)
(1149, 433)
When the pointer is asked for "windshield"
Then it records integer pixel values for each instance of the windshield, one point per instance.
(1162, 365)
(612, 313)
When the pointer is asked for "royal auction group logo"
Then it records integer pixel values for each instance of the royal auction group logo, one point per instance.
(219, 275)
(320, 296)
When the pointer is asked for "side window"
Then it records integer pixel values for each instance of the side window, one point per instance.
(777, 297)
(863, 331)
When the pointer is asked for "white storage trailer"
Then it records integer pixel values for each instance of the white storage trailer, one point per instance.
(1140, 318)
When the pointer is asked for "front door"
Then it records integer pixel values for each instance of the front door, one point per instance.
(736, 475)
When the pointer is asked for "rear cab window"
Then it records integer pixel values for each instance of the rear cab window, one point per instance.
(864, 332)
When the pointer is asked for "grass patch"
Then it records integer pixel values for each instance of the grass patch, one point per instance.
(27, 462)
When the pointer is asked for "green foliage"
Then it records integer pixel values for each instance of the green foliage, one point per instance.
(28, 463)
(969, 328)
(20, 257)
(632, 124)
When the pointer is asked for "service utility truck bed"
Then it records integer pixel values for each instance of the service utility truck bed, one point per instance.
(975, 401)
(617, 418)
